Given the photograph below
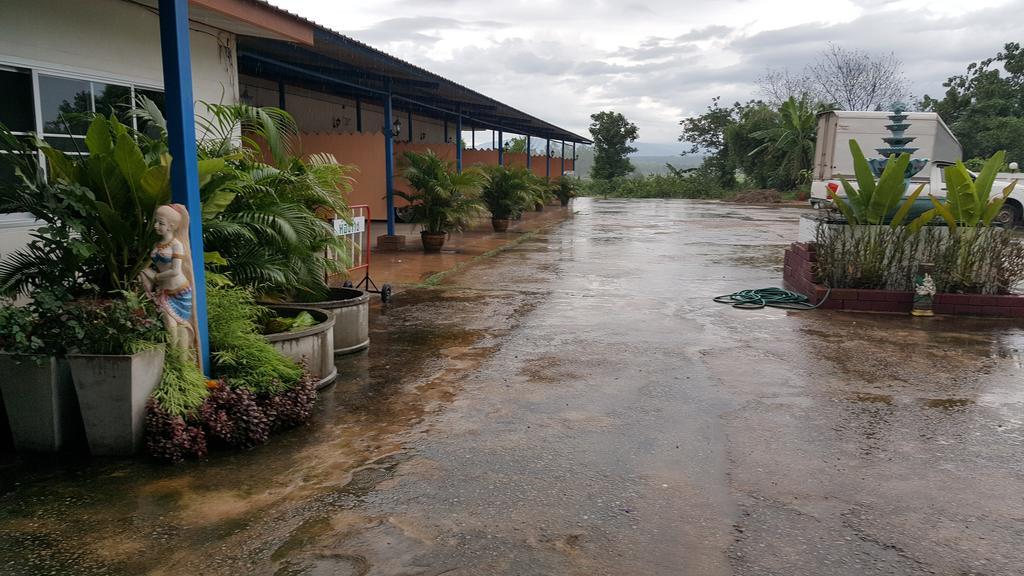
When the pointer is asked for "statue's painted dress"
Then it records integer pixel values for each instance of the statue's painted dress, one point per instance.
(176, 300)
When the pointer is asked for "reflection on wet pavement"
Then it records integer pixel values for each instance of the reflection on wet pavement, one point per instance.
(577, 405)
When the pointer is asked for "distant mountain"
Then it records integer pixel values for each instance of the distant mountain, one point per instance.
(649, 158)
(656, 164)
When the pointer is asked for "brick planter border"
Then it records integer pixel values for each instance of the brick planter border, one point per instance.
(798, 276)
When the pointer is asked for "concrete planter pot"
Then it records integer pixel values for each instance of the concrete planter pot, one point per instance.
(351, 310)
(499, 224)
(112, 393)
(42, 407)
(432, 242)
(314, 345)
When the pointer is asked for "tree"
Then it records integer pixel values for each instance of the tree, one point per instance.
(985, 106)
(791, 142)
(706, 135)
(612, 135)
(516, 145)
(845, 79)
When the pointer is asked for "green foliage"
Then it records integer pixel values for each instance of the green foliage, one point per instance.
(612, 135)
(98, 209)
(985, 106)
(790, 143)
(965, 260)
(695, 184)
(277, 324)
(516, 145)
(968, 201)
(41, 327)
(873, 203)
(565, 189)
(182, 388)
(238, 351)
(265, 209)
(126, 324)
(443, 200)
(507, 192)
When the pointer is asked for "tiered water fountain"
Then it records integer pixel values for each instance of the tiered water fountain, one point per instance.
(897, 144)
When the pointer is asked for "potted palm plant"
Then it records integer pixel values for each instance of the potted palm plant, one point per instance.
(565, 190)
(506, 192)
(442, 200)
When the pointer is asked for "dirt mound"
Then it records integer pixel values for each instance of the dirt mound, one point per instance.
(762, 196)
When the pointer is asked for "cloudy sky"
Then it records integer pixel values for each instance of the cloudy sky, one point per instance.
(657, 61)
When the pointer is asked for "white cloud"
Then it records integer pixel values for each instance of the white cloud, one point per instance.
(659, 60)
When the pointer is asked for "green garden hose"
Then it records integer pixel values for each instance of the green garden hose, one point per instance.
(769, 298)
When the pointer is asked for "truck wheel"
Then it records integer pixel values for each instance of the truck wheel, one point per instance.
(1008, 216)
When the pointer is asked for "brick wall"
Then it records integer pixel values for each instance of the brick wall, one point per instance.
(799, 276)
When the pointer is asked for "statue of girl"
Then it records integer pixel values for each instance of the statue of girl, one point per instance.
(169, 277)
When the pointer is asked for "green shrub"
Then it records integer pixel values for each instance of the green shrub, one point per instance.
(124, 325)
(182, 388)
(965, 260)
(692, 185)
(238, 351)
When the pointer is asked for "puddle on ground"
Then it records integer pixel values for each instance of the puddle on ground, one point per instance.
(948, 403)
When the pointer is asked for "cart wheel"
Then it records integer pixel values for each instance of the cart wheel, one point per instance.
(385, 293)
(346, 284)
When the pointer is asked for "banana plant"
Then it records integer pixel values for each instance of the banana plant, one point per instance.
(871, 202)
(968, 202)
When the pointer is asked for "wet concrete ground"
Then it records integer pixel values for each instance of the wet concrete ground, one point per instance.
(578, 405)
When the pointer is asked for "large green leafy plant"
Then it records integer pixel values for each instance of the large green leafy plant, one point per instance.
(265, 211)
(874, 203)
(969, 201)
(97, 209)
(443, 200)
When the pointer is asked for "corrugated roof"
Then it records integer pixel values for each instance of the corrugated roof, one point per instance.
(355, 62)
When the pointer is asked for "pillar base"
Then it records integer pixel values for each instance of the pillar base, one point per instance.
(388, 243)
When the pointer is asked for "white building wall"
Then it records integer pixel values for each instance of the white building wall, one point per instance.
(111, 40)
(108, 40)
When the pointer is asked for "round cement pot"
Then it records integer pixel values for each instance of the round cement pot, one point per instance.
(314, 345)
(539, 208)
(432, 242)
(499, 224)
(564, 202)
(351, 310)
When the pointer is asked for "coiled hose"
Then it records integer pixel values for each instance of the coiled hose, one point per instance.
(769, 298)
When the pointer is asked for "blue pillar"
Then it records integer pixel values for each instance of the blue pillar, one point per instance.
(563, 159)
(359, 115)
(547, 159)
(389, 162)
(574, 159)
(446, 131)
(458, 143)
(472, 136)
(280, 95)
(501, 148)
(529, 153)
(409, 118)
(181, 136)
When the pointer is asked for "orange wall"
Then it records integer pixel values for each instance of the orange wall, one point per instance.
(365, 151)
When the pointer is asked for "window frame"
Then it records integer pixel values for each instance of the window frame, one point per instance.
(35, 68)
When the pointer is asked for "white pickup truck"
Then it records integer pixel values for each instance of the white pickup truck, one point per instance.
(932, 138)
(935, 184)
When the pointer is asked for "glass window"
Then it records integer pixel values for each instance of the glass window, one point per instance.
(17, 108)
(109, 98)
(65, 105)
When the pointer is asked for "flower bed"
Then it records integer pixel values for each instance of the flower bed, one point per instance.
(799, 276)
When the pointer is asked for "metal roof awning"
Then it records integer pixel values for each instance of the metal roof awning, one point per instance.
(341, 65)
